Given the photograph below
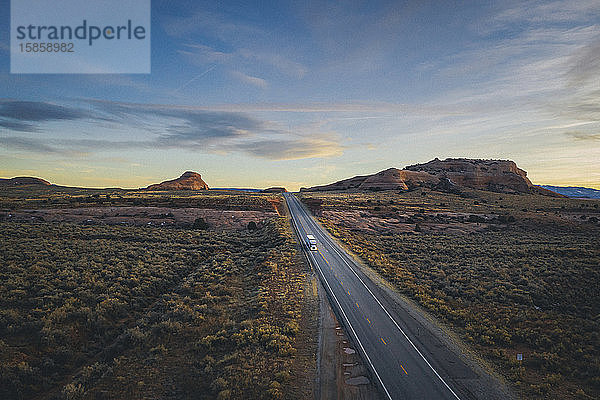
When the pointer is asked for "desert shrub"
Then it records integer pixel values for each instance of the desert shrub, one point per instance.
(200, 223)
(73, 391)
(531, 287)
(119, 310)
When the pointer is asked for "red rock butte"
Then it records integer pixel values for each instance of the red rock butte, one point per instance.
(188, 181)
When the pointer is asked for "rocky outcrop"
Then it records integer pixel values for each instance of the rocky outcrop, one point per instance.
(390, 179)
(449, 175)
(23, 180)
(188, 181)
(398, 179)
(346, 184)
(494, 175)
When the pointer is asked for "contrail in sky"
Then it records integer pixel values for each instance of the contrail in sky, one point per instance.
(194, 78)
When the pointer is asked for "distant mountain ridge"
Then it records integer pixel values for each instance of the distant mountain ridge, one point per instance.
(189, 180)
(24, 180)
(574, 191)
(447, 175)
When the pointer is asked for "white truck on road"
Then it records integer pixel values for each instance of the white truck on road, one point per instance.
(311, 242)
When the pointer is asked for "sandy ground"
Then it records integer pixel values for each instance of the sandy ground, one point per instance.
(402, 223)
(138, 216)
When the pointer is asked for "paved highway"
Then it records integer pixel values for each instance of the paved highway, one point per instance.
(400, 368)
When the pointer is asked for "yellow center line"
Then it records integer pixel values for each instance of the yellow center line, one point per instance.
(301, 223)
(383, 341)
(348, 293)
(403, 369)
(324, 258)
(368, 320)
(357, 306)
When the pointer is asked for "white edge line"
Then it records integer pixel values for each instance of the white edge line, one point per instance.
(386, 311)
(352, 329)
(311, 256)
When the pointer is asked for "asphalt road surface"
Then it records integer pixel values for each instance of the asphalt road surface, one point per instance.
(403, 363)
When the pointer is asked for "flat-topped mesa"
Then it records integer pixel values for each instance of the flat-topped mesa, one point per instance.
(24, 180)
(493, 175)
(187, 181)
(448, 175)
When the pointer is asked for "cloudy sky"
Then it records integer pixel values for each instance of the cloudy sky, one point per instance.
(303, 93)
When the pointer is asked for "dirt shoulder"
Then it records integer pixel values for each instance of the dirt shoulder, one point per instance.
(341, 372)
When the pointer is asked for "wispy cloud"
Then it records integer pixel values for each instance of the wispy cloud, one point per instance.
(212, 24)
(351, 38)
(250, 80)
(200, 75)
(247, 51)
(200, 54)
(585, 64)
(28, 145)
(284, 65)
(203, 55)
(36, 111)
(23, 115)
(294, 149)
(166, 127)
(362, 110)
(534, 13)
(579, 135)
(119, 80)
(17, 126)
(537, 63)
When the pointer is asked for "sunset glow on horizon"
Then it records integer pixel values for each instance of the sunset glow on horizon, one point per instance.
(293, 94)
